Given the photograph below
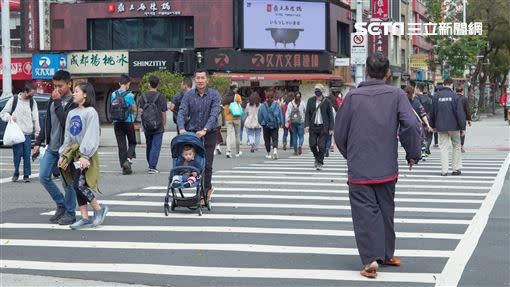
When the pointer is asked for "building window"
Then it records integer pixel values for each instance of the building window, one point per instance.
(140, 33)
(344, 38)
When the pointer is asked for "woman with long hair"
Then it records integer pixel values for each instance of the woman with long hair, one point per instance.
(251, 123)
(296, 115)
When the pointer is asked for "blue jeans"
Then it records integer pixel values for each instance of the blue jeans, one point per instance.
(153, 148)
(241, 132)
(297, 131)
(22, 150)
(286, 132)
(68, 201)
(328, 141)
(254, 137)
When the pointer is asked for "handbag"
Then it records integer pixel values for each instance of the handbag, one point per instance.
(13, 134)
(235, 108)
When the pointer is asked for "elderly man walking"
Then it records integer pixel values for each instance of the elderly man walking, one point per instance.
(367, 126)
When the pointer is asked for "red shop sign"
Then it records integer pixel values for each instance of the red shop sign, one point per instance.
(21, 68)
(380, 9)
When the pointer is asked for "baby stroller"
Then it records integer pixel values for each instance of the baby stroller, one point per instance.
(178, 199)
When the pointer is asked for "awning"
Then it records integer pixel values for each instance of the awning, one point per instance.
(281, 77)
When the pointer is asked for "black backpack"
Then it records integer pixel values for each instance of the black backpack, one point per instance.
(119, 111)
(15, 104)
(152, 119)
(426, 102)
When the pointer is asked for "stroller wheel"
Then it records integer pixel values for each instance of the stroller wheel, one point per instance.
(166, 209)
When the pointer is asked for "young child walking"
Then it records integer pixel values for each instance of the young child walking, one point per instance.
(79, 160)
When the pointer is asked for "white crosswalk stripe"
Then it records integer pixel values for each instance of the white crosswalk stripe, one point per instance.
(279, 220)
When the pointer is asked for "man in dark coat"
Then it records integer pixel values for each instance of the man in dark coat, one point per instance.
(319, 122)
(367, 126)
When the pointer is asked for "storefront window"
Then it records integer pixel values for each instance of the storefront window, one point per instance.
(141, 33)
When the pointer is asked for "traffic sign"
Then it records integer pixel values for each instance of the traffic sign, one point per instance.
(359, 48)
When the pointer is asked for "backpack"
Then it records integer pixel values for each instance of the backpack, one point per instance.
(235, 108)
(119, 111)
(271, 121)
(295, 115)
(426, 102)
(15, 104)
(151, 115)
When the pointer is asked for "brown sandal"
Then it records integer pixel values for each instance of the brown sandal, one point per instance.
(370, 270)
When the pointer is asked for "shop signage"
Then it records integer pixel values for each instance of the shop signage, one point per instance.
(405, 77)
(232, 60)
(146, 8)
(342, 62)
(419, 61)
(287, 25)
(380, 9)
(29, 12)
(359, 48)
(45, 65)
(21, 68)
(98, 62)
(141, 63)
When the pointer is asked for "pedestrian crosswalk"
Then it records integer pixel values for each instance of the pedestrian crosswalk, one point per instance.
(274, 222)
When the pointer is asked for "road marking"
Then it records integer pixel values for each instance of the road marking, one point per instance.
(490, 178)
(293, 206)
(338, 184)
(229, 229)
(326, 165)
(270, 217)
(9, 179)
(256, 248)
(454, 268)
(299, 177)
(297, 197)
(227, 272)
(341, 171)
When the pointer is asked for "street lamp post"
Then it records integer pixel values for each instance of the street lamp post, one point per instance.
(359, 19)
(6, 51)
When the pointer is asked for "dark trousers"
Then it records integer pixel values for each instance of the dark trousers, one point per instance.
(505, 113)
(22, 150)
(462, 139)
(428, 141)
(126, 150)
(436, 139)
(83, 194)
(210, 139)
(270, 136)
(373, 211)
(317, 142)
(153, 148)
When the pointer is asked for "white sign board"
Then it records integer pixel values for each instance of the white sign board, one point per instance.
(98, 62)
(359, 48)
(284, 25)
(342, 62)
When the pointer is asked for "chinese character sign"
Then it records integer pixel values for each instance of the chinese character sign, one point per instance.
(98, 62)
(380, 9)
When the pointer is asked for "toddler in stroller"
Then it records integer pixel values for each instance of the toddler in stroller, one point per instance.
(188, 156)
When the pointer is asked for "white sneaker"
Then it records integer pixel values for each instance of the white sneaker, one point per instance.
(228, 154)
(268, 156)
(275, 154)
(239, 154)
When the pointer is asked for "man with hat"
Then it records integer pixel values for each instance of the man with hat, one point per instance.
(319, 122)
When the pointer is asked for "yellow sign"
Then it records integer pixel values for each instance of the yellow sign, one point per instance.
(419, 61)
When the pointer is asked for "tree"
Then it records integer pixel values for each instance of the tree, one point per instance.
(221, 84)
(169, 83)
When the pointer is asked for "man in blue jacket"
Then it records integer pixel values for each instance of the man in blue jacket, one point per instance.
(448, 118)
(367, 126)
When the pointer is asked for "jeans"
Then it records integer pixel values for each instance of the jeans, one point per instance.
(233, 134)
(241, 132)
(317, 141)
(329, 139)
(22, 150)
(297, 136)
(428, 141)
(68, 201)
(270, 135)
(285, 135)
(153, 149)
(123, 130)
(254, 137)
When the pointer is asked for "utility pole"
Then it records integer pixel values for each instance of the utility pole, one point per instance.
(359, 19)
(6, 51)
(464, 4)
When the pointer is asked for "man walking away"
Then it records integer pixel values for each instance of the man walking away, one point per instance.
(153, 120)
(449, 120)
(201, 106)
(319, 123)
(122, 113)
(465, 105)
(52, 135)
(186, 85)
(271, 118)
(22, 109)
(426, 101)
(366, 129)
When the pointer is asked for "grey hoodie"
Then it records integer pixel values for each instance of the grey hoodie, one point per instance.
(82, 128)
(367, 127)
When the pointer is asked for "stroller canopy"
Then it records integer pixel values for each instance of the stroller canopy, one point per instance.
(187, 139)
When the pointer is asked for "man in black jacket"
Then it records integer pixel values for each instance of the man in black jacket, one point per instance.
(319, 122)
(448, 118)
(468, 118)
(52, 135)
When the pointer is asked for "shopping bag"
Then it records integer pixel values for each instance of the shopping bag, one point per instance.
(13, 134)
